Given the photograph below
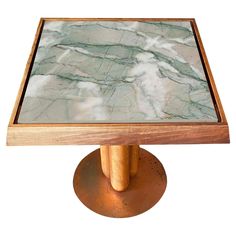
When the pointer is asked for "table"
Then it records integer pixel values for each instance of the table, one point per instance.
(118, 83)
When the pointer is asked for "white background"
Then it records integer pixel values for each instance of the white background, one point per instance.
(36, 192)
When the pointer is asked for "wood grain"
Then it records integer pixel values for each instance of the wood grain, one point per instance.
(215, 96)
(134, 151)
(24, 81)
(119, 166)
(117, 134)
(104, 154)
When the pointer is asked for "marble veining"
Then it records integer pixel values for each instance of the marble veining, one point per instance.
(109, 71)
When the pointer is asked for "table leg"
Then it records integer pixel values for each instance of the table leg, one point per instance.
(134, 156)
(119, 166)
(104, 153)
(120, 180)
(119, 163)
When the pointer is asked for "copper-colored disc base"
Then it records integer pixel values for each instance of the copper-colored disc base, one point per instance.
(145, 189)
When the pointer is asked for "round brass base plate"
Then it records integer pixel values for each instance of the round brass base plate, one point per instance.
(145, 189)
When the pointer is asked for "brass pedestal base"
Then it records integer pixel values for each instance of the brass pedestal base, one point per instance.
(144, 191)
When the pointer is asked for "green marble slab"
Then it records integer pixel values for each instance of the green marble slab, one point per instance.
(117, 71)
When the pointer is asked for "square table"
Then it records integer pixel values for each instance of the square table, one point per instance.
(118, 83)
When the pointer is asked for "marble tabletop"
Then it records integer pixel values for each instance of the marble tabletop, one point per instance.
(117, 71)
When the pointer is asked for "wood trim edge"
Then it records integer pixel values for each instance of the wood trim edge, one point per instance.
(209, 73)
(120, 135)
(117, 134)
(26, 73)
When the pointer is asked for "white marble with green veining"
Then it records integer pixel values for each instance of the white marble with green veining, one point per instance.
(104, 71)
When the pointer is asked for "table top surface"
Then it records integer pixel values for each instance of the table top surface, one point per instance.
(117, 71)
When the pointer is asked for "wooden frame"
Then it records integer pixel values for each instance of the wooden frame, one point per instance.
(119, 133)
